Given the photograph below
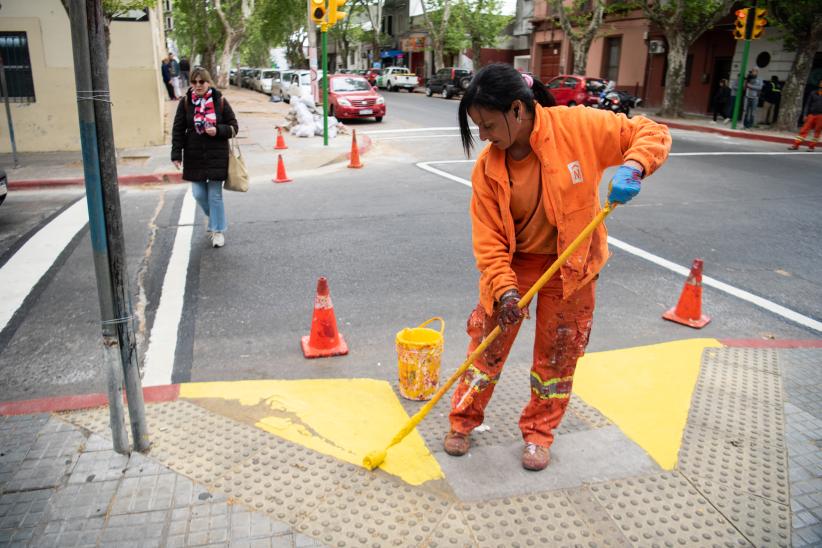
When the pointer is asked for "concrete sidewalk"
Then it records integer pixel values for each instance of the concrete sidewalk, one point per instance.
(258, 119)
(749, 473)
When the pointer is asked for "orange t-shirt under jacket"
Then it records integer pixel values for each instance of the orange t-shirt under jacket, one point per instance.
(572, 146)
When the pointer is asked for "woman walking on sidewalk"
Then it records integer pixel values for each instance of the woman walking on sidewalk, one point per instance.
(199, 141)
(535, 187)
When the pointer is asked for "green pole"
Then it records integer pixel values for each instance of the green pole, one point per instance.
(740, 84)
(325, 82)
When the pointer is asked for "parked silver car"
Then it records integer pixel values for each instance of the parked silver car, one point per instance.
(279, 84)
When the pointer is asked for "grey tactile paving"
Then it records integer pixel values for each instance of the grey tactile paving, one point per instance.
(17, 435)
(542, 519)
(452, 531)
(734, 436)
(802, 378)
(665, 509)
(367, 510)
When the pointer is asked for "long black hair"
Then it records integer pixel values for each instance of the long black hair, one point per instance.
(496, 87)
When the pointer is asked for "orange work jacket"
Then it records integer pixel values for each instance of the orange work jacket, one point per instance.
(574, 146)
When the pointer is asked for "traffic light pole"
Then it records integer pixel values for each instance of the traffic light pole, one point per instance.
(324, 29)
(740, 88)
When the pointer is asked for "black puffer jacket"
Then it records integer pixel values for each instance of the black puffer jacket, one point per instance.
(204, 158)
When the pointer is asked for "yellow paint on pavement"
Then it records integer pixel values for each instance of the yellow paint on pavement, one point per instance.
(343, 418)
(646, 391)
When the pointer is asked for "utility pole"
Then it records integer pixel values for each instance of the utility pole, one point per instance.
(105, 223)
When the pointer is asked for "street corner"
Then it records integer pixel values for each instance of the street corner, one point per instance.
(342, 418)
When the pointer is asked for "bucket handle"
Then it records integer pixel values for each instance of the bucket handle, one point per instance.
(442, 322)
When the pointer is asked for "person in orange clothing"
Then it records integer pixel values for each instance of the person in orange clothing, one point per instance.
(534, 189)
(812, 121)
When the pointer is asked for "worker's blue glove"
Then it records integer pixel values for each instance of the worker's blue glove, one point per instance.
(625, 185)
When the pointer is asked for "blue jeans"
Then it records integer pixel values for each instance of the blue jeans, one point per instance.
(750, 110)
(209, 195)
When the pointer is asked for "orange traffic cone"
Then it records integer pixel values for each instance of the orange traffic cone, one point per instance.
(324, 340)
(688, 310)
(280, 140)
(355, 152)
(281, 176)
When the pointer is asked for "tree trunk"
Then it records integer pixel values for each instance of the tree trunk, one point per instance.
(675, 76)
(229, 48)
(793, 94)
(476, 50)
(581, 48)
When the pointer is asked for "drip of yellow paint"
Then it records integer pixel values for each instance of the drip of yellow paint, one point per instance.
(343, 418)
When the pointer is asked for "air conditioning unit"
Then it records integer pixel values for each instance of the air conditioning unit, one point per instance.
(656, 46)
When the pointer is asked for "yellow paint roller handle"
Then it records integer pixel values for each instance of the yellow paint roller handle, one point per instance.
(374, 459)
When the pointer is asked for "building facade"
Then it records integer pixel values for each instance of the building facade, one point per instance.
(36, 38)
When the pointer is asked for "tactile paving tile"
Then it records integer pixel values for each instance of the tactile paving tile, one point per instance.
(282, 479)
(761, 521)
(452, 531)
(664, 509)
(369, 510)
(596, 518)
(735, 430)
(541, 519)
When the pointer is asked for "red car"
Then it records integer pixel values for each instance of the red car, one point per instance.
(569, 89)
(351, 96)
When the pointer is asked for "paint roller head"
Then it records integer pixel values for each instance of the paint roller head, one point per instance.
(373, 459)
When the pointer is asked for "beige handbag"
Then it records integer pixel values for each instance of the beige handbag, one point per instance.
(237, 173)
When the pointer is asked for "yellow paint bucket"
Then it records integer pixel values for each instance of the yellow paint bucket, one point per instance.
(419, 350)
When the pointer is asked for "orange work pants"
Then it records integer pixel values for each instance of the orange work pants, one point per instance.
(562, 331)
(812, 121)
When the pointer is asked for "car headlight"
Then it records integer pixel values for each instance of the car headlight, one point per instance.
(344, 102)
(380, 100)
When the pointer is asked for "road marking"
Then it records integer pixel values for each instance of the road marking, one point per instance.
(406, 130)
(664, 263)
(31, 262)
(162, 342)
(416, 137)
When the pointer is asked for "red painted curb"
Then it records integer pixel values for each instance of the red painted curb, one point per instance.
(765, 343)
(728, 132)
(151, 394)
(139, 179)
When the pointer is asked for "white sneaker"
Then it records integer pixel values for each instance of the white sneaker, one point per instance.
(217, 239)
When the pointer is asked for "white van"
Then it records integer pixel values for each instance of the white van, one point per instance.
(299, 84)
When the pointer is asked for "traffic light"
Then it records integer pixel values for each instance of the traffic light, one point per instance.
(318, 10)
(333, 14)
(740, 24)
(759, 23)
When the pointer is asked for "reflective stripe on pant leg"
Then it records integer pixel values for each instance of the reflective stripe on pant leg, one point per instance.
(563, 328)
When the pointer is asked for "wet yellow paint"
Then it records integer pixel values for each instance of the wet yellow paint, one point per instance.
(646, 391)
(343, 418)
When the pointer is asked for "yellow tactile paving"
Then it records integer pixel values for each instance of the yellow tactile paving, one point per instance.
(646, 391)
(343, 418)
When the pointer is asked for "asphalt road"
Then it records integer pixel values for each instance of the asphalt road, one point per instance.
(394, 241)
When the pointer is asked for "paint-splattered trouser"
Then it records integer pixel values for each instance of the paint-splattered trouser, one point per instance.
(812, 122)
(562, 331)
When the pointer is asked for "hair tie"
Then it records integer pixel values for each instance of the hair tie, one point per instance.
(529, 81)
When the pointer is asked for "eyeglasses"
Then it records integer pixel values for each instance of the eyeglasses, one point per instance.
(198, 82)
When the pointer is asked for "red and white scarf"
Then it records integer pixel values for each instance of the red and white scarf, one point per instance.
(204, 114)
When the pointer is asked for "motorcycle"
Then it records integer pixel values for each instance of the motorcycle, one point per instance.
(617, 101)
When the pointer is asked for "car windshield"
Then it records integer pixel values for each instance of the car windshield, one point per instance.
(555, 83)
(268, 74)
(350, 84)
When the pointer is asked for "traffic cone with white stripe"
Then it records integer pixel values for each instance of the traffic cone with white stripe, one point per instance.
(688, 310)
(280, 144)
(324, 339)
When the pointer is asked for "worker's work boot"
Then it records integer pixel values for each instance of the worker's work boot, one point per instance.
(456, 444)
(794, 146)
(535, 457)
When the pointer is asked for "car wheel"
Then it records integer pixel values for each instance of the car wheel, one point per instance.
(445, 94)
(378, 118)
(331, 111)
(428, 92)
(572, 104)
